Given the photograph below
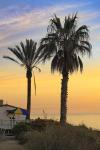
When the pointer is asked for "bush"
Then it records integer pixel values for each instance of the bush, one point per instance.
(41, 134)
(20, 128)
(41, 124)
(62, 138)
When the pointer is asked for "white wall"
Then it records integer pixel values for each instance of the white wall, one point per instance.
(5, 121)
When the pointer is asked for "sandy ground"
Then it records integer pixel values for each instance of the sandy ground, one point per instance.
(10, 144)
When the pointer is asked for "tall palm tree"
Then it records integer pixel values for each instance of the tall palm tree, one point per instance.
(66, 44)
(27, 56)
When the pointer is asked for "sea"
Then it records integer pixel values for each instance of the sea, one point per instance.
(90, 120)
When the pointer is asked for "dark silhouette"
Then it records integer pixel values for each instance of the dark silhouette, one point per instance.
(65, 43)
(27, 56)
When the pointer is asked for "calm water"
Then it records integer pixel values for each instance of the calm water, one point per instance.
(91, 120)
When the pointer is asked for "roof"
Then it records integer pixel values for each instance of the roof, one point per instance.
(11, 106)
(16, 110)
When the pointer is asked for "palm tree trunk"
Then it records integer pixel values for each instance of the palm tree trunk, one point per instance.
(29, 75)
(64, 96)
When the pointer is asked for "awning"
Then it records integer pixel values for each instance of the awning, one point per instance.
(17, 111)
(20, 111)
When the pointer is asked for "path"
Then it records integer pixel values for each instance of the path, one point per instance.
(10, 144)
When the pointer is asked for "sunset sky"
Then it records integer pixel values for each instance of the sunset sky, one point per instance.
(21, 19)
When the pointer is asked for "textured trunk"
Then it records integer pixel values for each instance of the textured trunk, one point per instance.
(28, 75)
(64, 96)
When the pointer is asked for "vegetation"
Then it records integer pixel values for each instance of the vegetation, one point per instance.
(27, 56)
(20, 128)
(56, 137)
(66, 44)
(37, 124)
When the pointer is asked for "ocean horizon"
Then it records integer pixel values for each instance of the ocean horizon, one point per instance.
(91, 120)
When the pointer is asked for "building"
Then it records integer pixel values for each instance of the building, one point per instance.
(10, 115)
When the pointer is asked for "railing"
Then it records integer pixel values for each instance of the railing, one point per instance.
(8, 124)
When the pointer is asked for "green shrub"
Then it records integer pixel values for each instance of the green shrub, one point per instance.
(20, 128)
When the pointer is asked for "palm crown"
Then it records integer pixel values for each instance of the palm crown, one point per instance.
(65, 43)
(26, 54)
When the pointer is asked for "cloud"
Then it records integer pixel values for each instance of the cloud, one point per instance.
(17, 22)
(88, 15)
(38, 16)
(95, 26)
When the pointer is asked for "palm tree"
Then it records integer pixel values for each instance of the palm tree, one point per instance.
(66, 44)
(27, 56)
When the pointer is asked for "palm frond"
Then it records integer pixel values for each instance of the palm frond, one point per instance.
(37, 68)
(12, 59)
(54, 63)
(17, 54)
(80, 64)
(34, 83)
(55, 24)
(70, 24)
(23, 48)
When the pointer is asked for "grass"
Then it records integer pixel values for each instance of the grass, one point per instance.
(55, 137)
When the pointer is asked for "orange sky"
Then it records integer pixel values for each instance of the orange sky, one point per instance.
(84, 95)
